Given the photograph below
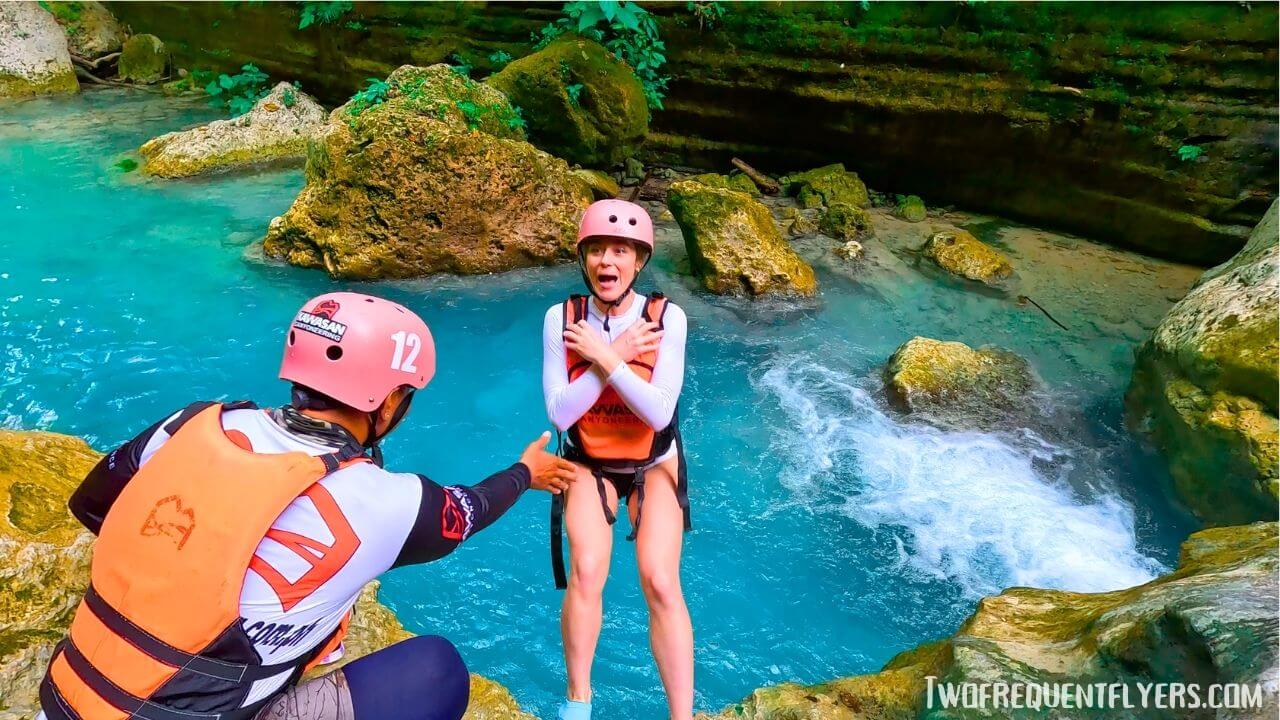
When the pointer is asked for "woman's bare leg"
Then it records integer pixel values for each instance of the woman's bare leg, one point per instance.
(658, 558)
(590, 545)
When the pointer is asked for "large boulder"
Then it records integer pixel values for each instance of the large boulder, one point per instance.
(911, 208)
(734, 244)
(955, 383)
(430, 180)
(1213, 620)
(962, 254)
(33, 53)
(92, 31)
(581, 102)
(44, 569)
(826, 186)
(277, 129)
(1205, 385)
(144, 59)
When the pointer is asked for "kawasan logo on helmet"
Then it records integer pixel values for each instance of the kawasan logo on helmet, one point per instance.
(320, 321)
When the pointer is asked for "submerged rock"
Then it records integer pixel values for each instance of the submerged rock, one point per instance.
(1213, 620)
(845, 222)
(33, 53)
(851, 250)
(826, 186)
(739, 182)
(144, 59)
(420, 184)
(92, 31)
(1205, 385)
(911, 208)
(44, 570)
(581, 102)
(734, 244)
(276, 129)
(953, 382)
(960, 253)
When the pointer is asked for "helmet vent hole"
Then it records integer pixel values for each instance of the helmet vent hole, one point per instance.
(631, 221)
(613, 218)
(293, 337)
(333, 353)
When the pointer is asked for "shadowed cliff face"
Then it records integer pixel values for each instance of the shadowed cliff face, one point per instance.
(1071, 115)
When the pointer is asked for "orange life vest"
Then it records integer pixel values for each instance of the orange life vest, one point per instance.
(610, 433)
(159, 634)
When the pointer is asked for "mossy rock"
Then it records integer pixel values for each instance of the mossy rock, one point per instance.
(275, 131)
(826, 186)
(440, 93)
(738, 182)
(602, 185)
(92, 31)
(958, 385)
(911, 208)
(144, 59)
(845, 222)
(1213, 620)
(581, 102)
(33, 53)
(403, 194)
(962, 254)
(734, 244)
(1204, 385)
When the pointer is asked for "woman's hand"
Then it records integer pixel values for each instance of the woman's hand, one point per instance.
(546, 471)
(639, 339)
(582, 339)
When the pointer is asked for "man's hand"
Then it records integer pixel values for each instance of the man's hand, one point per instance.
(640, 338)
(546, 471)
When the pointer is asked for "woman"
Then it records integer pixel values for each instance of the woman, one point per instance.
(613, 365)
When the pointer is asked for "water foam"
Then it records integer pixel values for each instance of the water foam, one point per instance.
(985, 511)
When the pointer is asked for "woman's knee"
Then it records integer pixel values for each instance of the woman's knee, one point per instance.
(588, 572)
(423, 678)
(661, 585)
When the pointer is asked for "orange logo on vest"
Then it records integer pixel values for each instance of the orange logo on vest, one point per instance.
(170, 518)
(325, 560)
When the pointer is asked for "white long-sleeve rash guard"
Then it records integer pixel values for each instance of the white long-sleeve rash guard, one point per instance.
(653, 401)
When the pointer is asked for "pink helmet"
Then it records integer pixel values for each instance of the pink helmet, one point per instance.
(357, 349)
(617, 219)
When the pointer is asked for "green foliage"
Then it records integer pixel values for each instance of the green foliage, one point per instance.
(500, 58)
(414, 92)
(627, 30)
(356, 25)
(290, 97)
(237, 93)
(575, 93)
(707, 13)
(476, 114)
(373, 95)
(322, 13)
(460, 65)
(68, 13)
(1187, 153)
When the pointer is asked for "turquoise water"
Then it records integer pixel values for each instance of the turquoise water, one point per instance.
(830, 534)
